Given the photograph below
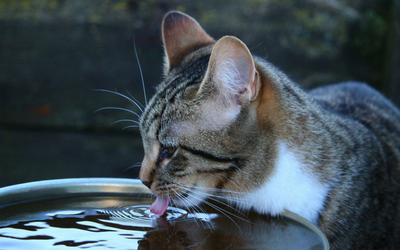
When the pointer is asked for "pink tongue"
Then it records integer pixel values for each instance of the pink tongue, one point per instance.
(159, 206)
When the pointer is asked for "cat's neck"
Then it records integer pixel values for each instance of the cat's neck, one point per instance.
(303, 162)
(289, 187)
(296, 119)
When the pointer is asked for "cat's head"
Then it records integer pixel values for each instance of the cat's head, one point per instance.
(201, 126)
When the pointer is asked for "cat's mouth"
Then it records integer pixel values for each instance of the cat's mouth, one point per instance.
(160, 205)
(188, 199)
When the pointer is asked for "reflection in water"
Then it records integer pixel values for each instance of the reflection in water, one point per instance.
(134, 227)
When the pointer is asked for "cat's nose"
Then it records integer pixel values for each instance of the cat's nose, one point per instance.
(147, 183)
(147, 172)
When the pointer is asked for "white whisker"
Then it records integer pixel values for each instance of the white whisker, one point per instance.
(231, 196)
(214, 190)
(131, 100)
(195, 209)
(233, 165)
(136, 100)
(136, 165)
(182, 200)
(224, 212)
(126, 120)
(131, 126)
(141, 74)
(194, 194)
(117, 108)
(209, 196)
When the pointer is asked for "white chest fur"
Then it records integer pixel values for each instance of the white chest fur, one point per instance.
(290, 187)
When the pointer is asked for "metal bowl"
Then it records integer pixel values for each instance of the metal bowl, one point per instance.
(113, 213)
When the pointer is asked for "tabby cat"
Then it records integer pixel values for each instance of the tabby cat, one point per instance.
(225, 123)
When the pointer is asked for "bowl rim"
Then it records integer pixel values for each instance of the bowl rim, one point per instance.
(36, 190)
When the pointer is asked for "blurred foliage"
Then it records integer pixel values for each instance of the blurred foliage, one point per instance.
(369, 37)
(313, 28)
(99, 11)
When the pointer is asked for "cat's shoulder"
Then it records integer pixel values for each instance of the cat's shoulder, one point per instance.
(352, 95)
(357, 90)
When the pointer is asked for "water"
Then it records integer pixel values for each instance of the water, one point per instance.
(126, 223)
(142, 214)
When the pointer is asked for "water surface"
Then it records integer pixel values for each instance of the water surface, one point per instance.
(126, 223)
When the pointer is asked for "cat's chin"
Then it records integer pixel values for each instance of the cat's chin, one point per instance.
(192, 198)
(186, 203)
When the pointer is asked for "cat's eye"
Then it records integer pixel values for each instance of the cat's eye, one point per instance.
(171, 150)
(168, 152)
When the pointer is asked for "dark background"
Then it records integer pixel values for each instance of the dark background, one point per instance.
(54, 53)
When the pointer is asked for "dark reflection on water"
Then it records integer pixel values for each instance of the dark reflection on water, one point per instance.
(112, 223)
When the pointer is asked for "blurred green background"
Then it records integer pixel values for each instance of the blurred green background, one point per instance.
(54, 53)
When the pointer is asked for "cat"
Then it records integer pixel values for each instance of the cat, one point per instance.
(226, 123)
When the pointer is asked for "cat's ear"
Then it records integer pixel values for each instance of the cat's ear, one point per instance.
(231, 78)
(181, 34)
(232, 71)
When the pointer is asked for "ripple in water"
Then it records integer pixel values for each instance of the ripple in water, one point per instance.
(142, 213)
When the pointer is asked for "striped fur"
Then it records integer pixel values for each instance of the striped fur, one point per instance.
(331, 155)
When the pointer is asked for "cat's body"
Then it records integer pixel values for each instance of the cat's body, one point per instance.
(226, 123)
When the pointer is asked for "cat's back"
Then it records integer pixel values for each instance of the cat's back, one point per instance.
(373, 124)
(365, 113)
(361, 103)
